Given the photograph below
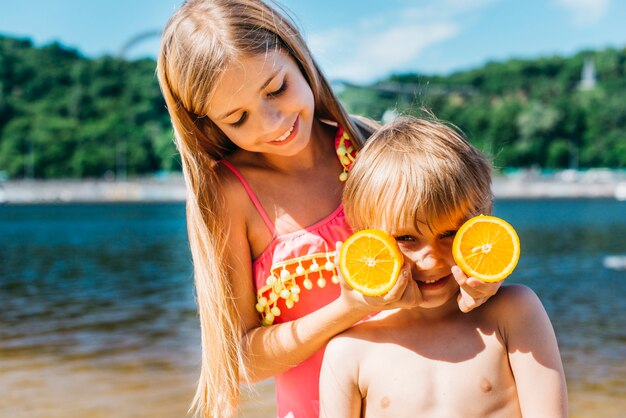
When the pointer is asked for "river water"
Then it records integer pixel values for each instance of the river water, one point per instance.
(98, 319)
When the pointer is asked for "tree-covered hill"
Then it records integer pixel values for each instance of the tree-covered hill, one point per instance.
(522, 112)
(63, 115)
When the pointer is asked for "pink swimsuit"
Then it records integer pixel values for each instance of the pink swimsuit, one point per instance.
(293, 277)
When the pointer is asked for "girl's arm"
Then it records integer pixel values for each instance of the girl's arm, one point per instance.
(339, 391)
(269, 350)
(533, 355)
(273, 349)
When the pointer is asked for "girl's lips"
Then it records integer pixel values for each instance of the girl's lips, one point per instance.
(290, 136)
(434, 285)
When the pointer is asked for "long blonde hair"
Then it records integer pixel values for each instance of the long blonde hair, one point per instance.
(417, 172)
(198, 44)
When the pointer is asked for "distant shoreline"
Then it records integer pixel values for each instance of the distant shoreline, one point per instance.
(172, 189)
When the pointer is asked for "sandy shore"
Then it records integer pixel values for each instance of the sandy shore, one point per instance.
(524, 185)
(83, 391)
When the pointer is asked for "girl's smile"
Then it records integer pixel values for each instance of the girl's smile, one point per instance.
(290, 134)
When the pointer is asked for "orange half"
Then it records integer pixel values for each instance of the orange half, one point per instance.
(370, 261)
(487, 248)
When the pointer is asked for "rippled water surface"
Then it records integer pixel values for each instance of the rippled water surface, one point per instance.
(97, 312)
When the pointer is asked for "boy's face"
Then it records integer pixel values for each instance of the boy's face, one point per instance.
(429, 254)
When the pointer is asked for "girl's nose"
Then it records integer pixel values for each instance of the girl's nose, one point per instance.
(271, 117)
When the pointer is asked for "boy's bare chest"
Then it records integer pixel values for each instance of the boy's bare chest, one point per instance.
(468, 376)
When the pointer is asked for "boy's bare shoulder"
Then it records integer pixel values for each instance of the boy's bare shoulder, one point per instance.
(360, 334)
(346, 349)
(514, 293)
(512, 302)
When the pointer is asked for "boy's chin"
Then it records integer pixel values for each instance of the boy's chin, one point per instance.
(434, 302)
(438, 294)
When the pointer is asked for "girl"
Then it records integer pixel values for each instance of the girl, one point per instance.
(265, 148)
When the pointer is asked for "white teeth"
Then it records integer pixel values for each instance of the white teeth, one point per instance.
(285, 135)
(430, 281)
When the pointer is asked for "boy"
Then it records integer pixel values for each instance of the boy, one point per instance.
(420, 180)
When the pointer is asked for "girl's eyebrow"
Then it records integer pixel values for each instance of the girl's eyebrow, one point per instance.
(269, 79)
(263, 86)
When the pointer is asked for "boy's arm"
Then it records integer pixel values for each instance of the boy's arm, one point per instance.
(534, 355)
(339, 391)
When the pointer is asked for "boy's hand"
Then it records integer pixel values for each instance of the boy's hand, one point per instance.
(473, 292)
(404, 294)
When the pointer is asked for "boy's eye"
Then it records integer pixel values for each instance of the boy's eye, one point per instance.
(447, 234)
(241, 120)
(279, 91)
(406, 238)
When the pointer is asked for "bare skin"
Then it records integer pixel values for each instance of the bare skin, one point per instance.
(500, 360)
(296, 181)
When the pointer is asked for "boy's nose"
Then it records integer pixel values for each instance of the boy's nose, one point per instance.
(426, 259)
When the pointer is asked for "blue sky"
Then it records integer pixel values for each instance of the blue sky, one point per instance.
(354, 40)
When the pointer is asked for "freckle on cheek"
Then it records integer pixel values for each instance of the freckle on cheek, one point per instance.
(385, 402)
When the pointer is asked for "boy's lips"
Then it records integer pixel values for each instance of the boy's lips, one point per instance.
(434, 283)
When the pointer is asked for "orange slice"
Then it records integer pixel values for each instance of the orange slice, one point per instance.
(370, 261)
(487, 248)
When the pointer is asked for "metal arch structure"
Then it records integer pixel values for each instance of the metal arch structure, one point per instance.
(121, 148)
(137, 39)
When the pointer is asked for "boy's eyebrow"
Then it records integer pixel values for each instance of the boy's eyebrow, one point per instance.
(263, 86)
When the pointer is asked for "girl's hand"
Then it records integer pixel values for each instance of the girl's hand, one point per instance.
(404, 294)
(473, 292)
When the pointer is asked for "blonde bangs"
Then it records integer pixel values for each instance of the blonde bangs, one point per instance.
(417, 174)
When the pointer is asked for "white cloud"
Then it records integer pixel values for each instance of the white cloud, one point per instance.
(375, 54)
(373, 47)
(586, 12)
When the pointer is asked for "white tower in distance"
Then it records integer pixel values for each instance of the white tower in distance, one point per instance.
(588, 75)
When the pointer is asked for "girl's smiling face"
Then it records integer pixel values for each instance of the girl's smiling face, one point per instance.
(264, 104)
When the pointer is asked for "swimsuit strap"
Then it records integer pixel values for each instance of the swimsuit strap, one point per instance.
(253, 198)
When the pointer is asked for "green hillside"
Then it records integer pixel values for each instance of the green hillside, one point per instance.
(522, 112)
(63, 115)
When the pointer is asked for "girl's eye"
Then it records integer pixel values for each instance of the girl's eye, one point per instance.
(280, 90)
(447, 234)
(405, 238)
(241, 120)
